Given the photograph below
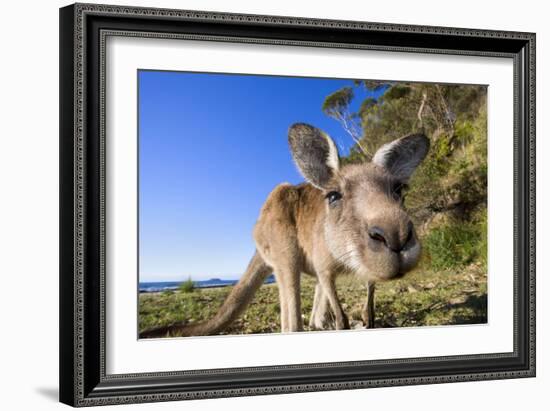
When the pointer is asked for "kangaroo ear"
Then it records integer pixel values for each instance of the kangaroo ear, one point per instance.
(314, 153)
(402, 156)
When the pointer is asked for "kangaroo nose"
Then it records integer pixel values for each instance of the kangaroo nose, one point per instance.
(391, 239)
(377, 234)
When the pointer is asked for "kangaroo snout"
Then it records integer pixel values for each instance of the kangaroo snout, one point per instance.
(391, 247)
(393, 238)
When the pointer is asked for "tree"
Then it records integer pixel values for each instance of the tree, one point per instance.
(336, 106)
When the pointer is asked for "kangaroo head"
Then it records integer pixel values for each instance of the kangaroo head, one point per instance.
(366, 227)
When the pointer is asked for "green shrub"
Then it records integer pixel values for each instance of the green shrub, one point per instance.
(457, 243)
(187, 286)
(483, 244)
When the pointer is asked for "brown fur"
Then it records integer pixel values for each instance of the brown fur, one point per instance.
(366, 231)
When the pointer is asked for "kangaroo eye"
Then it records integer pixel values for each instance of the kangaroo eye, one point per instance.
(333, 196)
(399, 189)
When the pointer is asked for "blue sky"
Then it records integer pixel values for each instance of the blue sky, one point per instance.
(211, 148)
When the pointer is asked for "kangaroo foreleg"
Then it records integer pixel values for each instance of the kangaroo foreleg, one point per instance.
(288, 281)
(321, 315)
(329, 290)
(368, 308)
(283, 306)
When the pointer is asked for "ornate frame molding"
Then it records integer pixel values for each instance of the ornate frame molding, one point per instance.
(82, 314)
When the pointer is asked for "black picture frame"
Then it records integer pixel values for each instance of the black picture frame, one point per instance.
(83, 381)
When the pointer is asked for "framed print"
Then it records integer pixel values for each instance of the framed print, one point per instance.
(261, 204)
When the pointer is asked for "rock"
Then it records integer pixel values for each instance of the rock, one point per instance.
(356, 325)
(457, 300)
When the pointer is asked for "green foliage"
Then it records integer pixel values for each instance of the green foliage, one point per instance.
(457, 243)
(483, 245)
(373, 85)
(397, 92)
(336, 103)
(367, 105)
(188, 286)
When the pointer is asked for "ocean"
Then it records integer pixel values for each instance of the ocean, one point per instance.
(156, 286)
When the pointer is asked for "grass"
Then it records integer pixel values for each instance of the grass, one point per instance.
(421, 298)
(457, 243)
(187, 286)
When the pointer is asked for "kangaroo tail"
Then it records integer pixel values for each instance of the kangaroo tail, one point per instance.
(236, 302)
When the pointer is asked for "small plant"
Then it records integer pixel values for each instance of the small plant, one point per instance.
(457, 243)
(483, 245)
(188, 286)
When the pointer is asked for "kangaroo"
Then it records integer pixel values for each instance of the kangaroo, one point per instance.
(347, 218)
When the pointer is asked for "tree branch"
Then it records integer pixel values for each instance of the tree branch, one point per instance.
(421, 108)
(344, 119)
